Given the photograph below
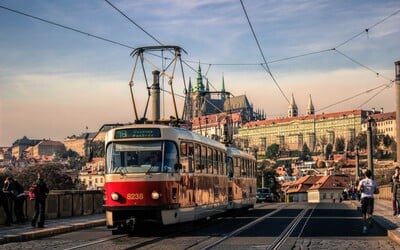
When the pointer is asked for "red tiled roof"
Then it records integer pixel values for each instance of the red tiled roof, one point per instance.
(303, 184)
(382, 117)
(215, 119)
(331, 182)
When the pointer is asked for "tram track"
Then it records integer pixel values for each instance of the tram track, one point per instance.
(280, 241)
(215, 233)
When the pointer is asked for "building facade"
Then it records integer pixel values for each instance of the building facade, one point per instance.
(290, 133)
(47, 148)
(79, 144)
(384, 123)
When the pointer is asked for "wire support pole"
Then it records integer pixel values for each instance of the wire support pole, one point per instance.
(131, 90)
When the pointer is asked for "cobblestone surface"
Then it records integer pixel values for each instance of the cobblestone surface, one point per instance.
(351, 244)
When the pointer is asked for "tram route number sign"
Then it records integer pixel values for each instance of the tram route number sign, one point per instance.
(137, 133)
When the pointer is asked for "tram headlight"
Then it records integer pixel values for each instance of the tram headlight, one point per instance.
(114, 196)
(155, 195)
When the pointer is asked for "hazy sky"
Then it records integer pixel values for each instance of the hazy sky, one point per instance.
(55, 82)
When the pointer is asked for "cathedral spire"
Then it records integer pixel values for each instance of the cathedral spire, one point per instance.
(292, 110)
(199, 81)
(310, 107)
(223, 95)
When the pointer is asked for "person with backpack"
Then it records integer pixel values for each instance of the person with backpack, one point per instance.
(40, 190)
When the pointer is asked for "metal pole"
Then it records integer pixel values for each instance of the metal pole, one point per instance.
(397, 94)
(357, 165)
(370, 146)
(155, 96)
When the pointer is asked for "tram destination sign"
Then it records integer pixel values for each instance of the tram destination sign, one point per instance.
(137, 133)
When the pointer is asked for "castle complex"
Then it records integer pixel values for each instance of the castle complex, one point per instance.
(252, 131)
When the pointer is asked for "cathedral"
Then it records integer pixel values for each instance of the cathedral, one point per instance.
(200, 101)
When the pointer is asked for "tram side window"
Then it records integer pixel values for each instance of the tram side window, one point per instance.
(229, 166)
(215, 162)
(203, 161)
(191, 157)
(184, 157)
(170, 157)
(210, 161)
(221, 162)
(236, 167)
(197, 158)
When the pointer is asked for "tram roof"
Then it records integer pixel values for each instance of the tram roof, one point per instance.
(173, 133)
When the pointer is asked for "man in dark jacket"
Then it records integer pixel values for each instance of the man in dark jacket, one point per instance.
(16, 194)
(40, 202)
(4, 204)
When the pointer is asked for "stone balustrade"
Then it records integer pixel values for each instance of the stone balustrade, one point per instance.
(63, 203)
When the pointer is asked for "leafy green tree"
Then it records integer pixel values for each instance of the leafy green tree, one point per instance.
(52, 174)
(323, 141)
(328, 151)
(69, 154)
(387, 141)
(305, 152)
(97, 148)
(340, 144)
(272, 151)
(361, 141)
(351, 145)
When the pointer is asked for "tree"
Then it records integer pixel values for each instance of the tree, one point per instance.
(272, 151)
(323, 141)
(97, 148)
(340, 144)
(51, 173)
(361, 141)
(305, 152)
(329, 150)
(351, 145)
(387, 141)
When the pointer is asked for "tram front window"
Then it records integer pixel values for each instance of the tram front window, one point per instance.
(138, 157)
(134, 157)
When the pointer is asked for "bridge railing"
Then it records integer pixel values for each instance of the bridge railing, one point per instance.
(61, 204)
(67, 203)
(385, 192)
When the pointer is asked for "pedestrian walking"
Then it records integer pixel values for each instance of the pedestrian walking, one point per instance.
(395, 191)
(368, 188)
(16, 194)
(4, 204)
(39, 188)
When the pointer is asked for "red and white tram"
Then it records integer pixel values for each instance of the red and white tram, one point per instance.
(172, 175)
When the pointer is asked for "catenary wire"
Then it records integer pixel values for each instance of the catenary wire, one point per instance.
(262, 53)
(66, 27)
(239, 64)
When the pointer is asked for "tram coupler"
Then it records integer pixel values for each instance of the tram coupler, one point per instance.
(130, 223)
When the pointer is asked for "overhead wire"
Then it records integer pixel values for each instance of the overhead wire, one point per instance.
(367, 29)
(262, 53)
(66, 27)
(137, 25)
(264, 65)
(353, 96)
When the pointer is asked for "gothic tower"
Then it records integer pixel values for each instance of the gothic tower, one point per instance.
(292, 110)
(197, 95)
(310, 107)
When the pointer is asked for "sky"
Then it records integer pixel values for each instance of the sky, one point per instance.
(57, 81)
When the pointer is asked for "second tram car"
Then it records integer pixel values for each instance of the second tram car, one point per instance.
(171, 175)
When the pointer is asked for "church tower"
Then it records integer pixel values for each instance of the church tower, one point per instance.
(197, 95)
(292, 110)
(310, 107)
(223, 95)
